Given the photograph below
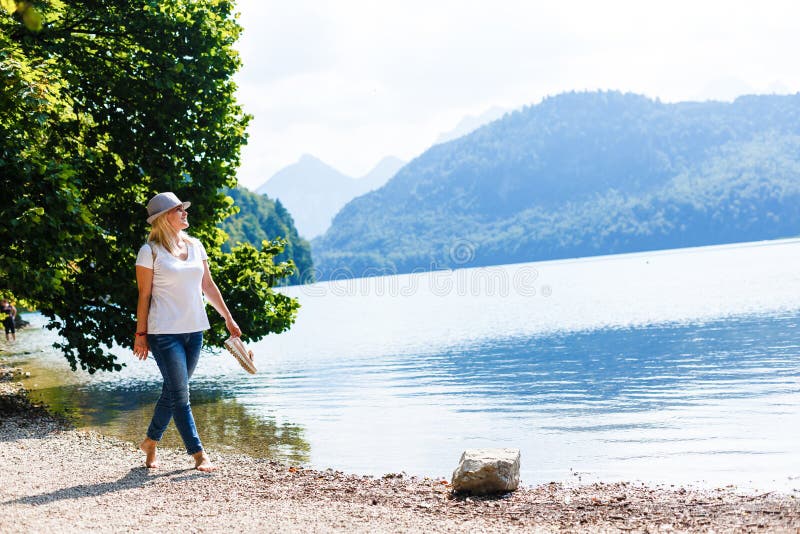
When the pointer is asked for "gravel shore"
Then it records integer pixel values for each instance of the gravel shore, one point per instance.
(56, 478)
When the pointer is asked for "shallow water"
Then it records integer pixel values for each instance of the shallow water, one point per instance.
(675, 366)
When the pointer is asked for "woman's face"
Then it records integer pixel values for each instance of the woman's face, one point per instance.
(177, 218)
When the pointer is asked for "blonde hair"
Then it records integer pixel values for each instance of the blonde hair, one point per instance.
(163, 234)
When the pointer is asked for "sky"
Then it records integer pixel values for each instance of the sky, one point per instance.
(353, 81)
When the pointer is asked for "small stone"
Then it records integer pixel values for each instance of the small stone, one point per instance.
(487, 471)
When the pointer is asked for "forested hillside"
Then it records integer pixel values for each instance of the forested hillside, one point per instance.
(581, 174)
(261, 218)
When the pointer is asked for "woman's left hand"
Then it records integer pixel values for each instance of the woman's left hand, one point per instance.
(233, 328)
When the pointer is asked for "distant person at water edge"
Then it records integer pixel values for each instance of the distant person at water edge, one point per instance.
(8, 321)
(172, 275)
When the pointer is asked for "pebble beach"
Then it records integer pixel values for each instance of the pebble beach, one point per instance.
(54, 477)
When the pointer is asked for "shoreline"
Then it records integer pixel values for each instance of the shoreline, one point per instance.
(55, 476)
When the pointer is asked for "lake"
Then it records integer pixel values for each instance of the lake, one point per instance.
(678, 366)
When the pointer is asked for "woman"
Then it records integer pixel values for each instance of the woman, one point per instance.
(172, 275)
(9, 320)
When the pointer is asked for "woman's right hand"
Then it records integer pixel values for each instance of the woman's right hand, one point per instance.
(140, 347)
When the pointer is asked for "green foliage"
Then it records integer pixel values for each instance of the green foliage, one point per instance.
(246, 276)
(259, 218)
(102, 105)
(25, 12)
(581, 174)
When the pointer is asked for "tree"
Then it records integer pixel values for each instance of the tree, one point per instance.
(103, 104)
(260, 218)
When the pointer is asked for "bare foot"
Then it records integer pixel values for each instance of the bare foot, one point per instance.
(203, 463)
(149, 448)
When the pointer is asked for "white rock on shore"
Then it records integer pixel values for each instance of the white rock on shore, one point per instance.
(487, 471)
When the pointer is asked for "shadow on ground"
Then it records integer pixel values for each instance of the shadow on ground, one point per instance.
(137, 477)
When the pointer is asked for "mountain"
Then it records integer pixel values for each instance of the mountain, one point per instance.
(314, 191)
(379, 175)
(261, 218)
(581, 174)
(470, 123)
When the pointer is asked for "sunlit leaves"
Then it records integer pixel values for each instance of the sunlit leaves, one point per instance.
(31, 17)
(246, 276)
(104, 103)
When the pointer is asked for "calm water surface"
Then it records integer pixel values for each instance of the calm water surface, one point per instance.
(675, 366)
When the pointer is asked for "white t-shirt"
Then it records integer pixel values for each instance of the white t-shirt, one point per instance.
(176, 303)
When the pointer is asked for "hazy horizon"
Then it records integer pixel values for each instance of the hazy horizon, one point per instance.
(352, 82)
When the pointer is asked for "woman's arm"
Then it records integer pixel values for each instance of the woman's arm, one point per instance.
(144, 279)
(211, 291)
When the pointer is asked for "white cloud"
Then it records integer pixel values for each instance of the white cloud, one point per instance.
(352, 81)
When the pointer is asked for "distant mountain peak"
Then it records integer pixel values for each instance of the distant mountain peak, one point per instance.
(314, 191)
(309, 158)
(386, 163)
(313, 162)
(307, 167)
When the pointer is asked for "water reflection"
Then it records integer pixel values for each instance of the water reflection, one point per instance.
(613, 370)
(718, 400)
(124, 411)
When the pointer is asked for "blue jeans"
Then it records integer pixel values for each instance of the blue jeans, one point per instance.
(176, 356)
